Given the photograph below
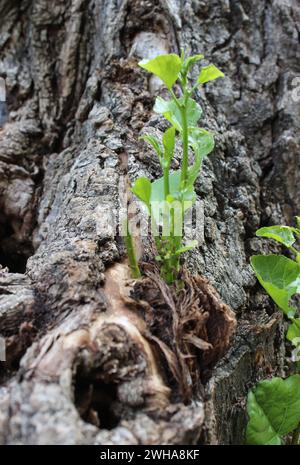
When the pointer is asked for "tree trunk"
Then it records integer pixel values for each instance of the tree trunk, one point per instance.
(81, 367)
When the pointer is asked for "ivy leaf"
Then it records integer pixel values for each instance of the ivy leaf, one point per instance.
(282, 234)
(166, 67)
(142, 189)
(158, 196)
(169, 144)
(202, 143)
(209, 73)
(280, 276)
(152, 140)
(274, 410)
(171, 112)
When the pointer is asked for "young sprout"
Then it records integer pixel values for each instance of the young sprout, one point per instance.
(169, 197)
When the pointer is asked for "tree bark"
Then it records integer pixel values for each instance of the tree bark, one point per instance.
(80, 367)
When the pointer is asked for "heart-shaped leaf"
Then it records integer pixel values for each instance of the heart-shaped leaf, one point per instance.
(280, 277)
(282, 234)
(166, 67)
(274, 410)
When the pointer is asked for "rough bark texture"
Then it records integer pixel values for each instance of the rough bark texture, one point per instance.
(80, 369)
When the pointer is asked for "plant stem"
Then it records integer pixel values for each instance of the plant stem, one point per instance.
(133, 263)
(295, 251)
(166, 182)
(296, 436)
(175, 99)
(184, 165)
(175, 242)
(171, 226)
(185, 147)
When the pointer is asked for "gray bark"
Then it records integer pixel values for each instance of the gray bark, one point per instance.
(77, 103)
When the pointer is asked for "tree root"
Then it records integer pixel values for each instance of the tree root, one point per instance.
(191, 326)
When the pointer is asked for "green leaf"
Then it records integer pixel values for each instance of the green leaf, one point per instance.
(192, 60)
(202, 143)
(282, 234)
(186, 248)
(274, 410)
(294, 330)
(166, 67)
(169, 144)
(142, 189)
(280, 277)
(158, 195)
(297, 230)
(209, 73)
(171, 112)
(152, 140)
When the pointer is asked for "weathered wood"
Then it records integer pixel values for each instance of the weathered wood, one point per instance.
(77, 103)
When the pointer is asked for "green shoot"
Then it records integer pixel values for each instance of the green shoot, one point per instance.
(169, 197)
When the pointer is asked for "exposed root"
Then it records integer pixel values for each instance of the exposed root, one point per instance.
(191, 326)
(117, 362)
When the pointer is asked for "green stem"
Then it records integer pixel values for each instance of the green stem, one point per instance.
(166, 172)
(166, 182)
(185, 146)
(175, 99)
(296, 436)
(295, 251)
(133, 263)
(173, 263)
(169, 274)
(184, 165)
